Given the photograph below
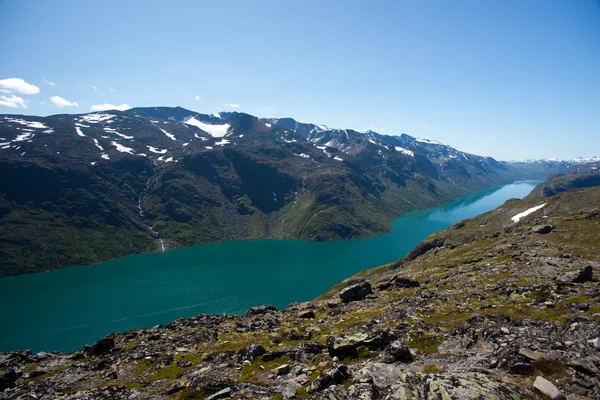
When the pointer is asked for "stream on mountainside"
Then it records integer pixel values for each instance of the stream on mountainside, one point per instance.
(67, 308)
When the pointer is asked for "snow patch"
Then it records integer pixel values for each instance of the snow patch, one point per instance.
(214, 130)
(525, 213)
(96, 118)
(30, 124)
(122, 148)
(105, 156)
(337, 158)
(223, 142)
(170, 136)
(405, 151)
(302, 155)
(98, 145)
(428, 141)
(78, 130)
(157, 151)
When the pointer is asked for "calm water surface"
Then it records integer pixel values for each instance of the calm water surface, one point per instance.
(67, 308)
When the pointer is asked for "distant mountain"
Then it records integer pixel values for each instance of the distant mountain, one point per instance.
(84, 188)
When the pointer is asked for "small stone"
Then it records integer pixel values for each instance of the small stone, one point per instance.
(548, 389)
(595, 343)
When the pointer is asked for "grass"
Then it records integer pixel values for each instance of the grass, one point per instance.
(425, 343)
(172, 370)
(430, 369)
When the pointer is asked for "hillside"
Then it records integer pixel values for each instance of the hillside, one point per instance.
(80, 189)
(489, 308)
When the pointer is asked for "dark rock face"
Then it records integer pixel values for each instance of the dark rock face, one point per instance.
(542, 229)
(356, 292)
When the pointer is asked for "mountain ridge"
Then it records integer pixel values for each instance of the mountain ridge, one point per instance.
(124, 182)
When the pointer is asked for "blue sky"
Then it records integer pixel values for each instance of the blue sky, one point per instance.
(509, 79)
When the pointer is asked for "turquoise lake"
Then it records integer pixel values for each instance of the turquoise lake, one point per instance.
(67, 308)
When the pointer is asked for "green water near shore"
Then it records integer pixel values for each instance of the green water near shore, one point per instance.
(65, 309)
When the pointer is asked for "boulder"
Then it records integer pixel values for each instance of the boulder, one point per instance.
(331, 376)
(542, 229)
(454, 386)
(8, 379)
(404, 282)
(381, 376)
(282, 370)
(581, 276)
(348, 344)
(396, 352)
(102, 346)
(548, 389)
(306, 314)
(356, 292)
(250, 352)
(260, 310)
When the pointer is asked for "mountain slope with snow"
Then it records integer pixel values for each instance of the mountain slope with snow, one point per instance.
(84, 188)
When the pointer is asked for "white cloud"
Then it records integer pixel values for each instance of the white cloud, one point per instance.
(197, 98)
(19, 85)
(94, 87)
(233, 105)
(112, 90)
(60, 102)
(13, 101)
(48, 82)
(106, 106)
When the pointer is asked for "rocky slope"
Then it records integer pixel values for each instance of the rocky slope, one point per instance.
(491, 308)
(79, 189)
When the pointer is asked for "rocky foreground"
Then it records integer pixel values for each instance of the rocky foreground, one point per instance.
(489, 309)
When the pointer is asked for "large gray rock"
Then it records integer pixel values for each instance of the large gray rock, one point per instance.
(548, 389)
(382, 376)
(356, 292)
(454, 386)
(347, 344)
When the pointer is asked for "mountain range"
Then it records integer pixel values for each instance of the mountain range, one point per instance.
(84, 188)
